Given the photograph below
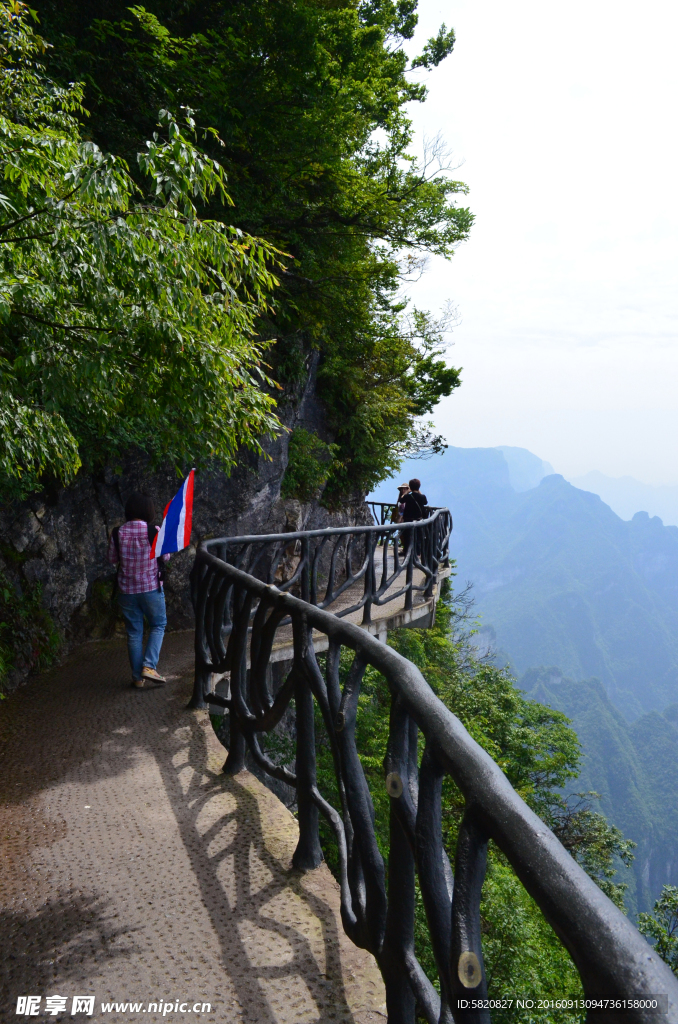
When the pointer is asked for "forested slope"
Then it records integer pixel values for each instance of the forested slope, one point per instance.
(634, 768)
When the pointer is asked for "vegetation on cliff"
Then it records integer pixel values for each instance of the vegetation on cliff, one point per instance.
(634, 768)
(127, 319)
(28, 638)
(309, 102)
(661, 926)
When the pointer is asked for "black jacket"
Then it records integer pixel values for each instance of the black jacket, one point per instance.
(415, 507)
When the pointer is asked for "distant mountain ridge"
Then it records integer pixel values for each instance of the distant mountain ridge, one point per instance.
(525, 469)
(559, 577)
(626, 496)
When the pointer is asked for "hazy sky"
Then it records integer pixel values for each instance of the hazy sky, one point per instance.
(564, 116)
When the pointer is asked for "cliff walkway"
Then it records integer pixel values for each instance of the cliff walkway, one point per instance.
(141, 871)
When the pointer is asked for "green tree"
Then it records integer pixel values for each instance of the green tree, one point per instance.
(661, 926)
(598, 846)
(125, 318)
(310, 101)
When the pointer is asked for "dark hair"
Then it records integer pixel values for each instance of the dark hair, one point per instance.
(139, 506)
(415, 484)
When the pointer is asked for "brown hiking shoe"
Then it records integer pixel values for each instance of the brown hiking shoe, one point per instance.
(152, 675)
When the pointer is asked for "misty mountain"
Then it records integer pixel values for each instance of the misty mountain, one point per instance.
(559, 578)
(626, 496)
(525, 469)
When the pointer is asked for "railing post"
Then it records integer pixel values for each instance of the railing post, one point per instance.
(199, 595)
(466, 967)
(237, 747)
(305, 570)
(308, 854)
(399, 931)
(431, 531)
(409, 573)
(200, 684)
(398, 940)
(369, 578)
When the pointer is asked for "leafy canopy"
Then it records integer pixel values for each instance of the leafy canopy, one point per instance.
(661, 926)
(310, 101)
(125, 317)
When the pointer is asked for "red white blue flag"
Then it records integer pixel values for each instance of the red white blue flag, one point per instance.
(175, 532)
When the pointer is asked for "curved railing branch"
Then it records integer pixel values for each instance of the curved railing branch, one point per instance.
(614, 961)
(345, 570)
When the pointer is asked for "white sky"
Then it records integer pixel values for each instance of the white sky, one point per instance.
(565, 118)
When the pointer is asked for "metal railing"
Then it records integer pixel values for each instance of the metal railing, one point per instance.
(346, 569)
(614, 961)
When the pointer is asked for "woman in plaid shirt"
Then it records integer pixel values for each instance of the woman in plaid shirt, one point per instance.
(139, 589)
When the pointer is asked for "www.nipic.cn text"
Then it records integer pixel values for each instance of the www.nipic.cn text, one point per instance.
(32, 1006)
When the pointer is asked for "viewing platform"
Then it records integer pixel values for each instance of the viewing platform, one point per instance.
(385, 618)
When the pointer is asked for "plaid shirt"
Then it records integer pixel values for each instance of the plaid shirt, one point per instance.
(138, 572)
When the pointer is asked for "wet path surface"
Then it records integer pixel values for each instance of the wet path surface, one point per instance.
(134, 871)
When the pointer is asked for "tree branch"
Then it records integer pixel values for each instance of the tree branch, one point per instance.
(62, 327)
(35, 213)
(26, 238)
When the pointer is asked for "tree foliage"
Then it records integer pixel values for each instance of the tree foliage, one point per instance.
(598, 846)
(126, 318)
(310, 101)
(308, 465)
(661, 926)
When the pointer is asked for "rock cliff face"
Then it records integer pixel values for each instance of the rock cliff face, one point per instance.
(60, 538)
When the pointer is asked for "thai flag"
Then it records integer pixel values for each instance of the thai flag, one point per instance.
(175, 532)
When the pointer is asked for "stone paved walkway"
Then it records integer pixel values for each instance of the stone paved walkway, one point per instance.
(133, 870)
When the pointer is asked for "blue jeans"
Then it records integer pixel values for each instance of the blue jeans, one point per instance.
(134, 608)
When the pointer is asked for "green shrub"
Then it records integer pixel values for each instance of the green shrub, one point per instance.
(28, 637)
(661, 926)
(309, 465)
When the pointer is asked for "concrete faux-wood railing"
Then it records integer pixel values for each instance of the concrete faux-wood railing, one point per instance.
(372, 575)
(237, 619)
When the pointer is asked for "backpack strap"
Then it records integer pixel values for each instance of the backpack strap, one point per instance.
(413, 505)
